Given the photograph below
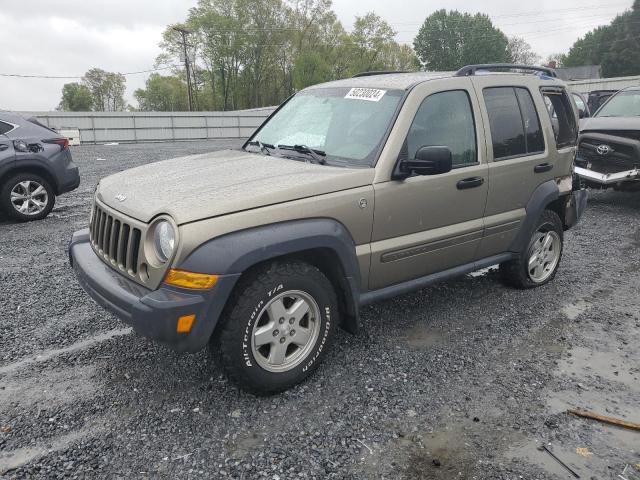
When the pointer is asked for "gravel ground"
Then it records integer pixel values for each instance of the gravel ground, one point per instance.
(460, 380)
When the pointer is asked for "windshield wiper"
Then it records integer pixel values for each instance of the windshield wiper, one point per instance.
(316, 155)
(264, 147)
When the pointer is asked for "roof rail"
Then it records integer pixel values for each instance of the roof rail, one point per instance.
(472, 69)
(380, 72)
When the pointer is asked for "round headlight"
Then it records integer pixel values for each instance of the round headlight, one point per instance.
(164, 240)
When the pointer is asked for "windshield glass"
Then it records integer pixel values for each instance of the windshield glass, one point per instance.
(345, 124)
(623, 104)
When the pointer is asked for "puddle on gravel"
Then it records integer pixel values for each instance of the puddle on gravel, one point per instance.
(423, 337)
(574, 310)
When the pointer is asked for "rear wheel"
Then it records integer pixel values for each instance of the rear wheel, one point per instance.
(539, 263)
(277, 327)
(27, 196)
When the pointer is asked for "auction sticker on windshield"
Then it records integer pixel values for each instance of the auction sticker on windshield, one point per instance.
(369, 94)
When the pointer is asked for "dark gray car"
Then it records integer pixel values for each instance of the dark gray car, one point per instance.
(35, 167)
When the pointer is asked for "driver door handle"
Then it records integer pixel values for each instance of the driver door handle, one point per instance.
(470, 182)
(3, 146)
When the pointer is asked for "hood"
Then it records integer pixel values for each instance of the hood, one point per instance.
(609, 123)
(218, 183)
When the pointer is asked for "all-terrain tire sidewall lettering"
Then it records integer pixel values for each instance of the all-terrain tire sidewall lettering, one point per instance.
(250, 297)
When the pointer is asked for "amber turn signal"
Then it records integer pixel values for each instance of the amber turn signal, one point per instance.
(184, 323)
(184, 279)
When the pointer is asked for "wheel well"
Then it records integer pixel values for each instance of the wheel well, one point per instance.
(328, 262)
(559, 207)
(31, 169)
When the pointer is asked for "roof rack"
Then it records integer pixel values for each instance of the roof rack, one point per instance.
(380, 72)
(472, 69)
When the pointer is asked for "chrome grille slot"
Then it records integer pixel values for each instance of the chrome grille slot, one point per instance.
(115, 240)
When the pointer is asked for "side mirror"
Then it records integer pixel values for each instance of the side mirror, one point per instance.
(582, 113)
(430, 161)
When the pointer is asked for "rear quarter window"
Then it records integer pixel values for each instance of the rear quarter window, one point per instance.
(5, 127)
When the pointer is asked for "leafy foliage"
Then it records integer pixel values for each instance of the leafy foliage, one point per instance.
(162, 94)
(615, 47)
(99, 91)
(76, 97)
(253, 53)
(450, 40)
(520, 52)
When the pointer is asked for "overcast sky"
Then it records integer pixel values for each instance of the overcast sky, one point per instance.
(67, 37)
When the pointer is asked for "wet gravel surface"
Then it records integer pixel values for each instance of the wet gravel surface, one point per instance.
(464, 379)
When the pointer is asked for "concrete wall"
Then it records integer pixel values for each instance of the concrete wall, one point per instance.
(104, 127)
(585, 86)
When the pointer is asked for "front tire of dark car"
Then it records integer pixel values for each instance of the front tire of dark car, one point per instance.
(539, 262)
(26, 197)
(277, 327)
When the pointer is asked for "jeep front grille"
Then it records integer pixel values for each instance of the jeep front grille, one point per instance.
(115, 240)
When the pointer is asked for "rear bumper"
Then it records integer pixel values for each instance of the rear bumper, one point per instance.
(607, 178)
(575, 207)
(65, 171)
(151, 313)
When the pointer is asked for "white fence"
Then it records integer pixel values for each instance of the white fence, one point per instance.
(585, 86)
(103, 127)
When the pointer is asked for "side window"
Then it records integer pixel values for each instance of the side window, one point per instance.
(445, 119)
(562, 117)
(534, 139)
(513, 121)
(505, 122)
(5, 127)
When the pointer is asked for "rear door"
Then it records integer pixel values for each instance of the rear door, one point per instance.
(520, 151)
(7, 153)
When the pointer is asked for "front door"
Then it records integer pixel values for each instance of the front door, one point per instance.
(426, 224)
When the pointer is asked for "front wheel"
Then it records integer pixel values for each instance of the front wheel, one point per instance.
(539, 263)
(277, 327)
(27, 196)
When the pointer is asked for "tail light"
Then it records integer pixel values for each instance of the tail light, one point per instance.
(63, 142)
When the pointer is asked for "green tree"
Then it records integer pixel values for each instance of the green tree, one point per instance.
(107, 89)
(162, 94)
(76, 97)
(252, 53)
(520, 52)
(450, 40)
(615, 47)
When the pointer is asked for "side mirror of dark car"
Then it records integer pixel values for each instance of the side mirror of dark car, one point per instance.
(432, 160)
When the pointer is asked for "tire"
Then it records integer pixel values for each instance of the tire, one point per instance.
(38, 197)
(517, 273)
(262, 347)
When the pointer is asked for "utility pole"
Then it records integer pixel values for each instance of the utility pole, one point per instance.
(183, 33)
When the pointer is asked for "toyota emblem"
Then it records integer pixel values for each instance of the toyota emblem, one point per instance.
(603, 149)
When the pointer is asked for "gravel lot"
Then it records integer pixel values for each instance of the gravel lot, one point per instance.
(460, 380)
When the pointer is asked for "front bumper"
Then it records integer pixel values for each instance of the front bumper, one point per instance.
(607, 178)
(151, 313)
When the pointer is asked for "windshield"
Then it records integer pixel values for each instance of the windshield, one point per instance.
(346, 125)
(623, 104)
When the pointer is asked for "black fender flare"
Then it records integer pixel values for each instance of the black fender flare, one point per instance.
(235, 253)
(30, 163)
(542, 196)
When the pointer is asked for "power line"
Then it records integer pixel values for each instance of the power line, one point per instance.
(76, 77)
